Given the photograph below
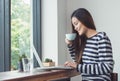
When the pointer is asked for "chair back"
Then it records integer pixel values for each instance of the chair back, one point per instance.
(114, 76)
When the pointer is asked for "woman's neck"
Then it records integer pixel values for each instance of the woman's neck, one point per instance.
(90, 33)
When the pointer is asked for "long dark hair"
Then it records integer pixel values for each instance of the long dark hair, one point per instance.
(86, 19)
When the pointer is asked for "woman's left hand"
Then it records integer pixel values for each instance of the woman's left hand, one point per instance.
(71, 64)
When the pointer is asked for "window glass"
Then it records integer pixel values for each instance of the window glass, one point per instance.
(20, 30)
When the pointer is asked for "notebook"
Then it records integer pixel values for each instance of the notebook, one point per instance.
(48, 68)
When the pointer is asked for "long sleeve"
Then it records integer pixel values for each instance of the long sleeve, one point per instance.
(104, 64)
(71, 49)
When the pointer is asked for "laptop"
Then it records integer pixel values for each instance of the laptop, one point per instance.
(48, 68)
(52, 68)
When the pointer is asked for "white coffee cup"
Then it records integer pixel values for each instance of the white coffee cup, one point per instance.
(70, 36)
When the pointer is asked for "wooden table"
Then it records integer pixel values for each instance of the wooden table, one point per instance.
(37, 75)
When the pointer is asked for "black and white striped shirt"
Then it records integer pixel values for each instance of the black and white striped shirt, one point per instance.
(97, 59)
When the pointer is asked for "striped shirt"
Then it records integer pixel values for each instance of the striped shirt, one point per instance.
(97, 59)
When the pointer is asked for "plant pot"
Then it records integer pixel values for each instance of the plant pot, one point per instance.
(20, 66)
(47, 64)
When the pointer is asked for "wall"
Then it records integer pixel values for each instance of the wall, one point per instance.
(62, 24)
(49, 30)
(106, 17)
(53, 30)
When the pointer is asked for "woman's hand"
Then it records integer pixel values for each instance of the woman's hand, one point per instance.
(68, 42)
(71, 64)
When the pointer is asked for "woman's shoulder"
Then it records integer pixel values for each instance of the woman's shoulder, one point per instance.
(102, 35)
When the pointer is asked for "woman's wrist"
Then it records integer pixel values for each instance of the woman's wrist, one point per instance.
(70, 45)
(77, 67)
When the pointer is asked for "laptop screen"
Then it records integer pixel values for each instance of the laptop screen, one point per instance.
(37, 56)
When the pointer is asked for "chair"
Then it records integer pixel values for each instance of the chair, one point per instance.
(114, 76)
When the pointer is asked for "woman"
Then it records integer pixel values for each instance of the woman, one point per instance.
(91, 50)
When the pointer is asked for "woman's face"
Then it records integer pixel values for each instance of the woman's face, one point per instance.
(78, 26)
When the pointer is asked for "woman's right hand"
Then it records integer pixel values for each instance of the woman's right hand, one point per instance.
(68, 42)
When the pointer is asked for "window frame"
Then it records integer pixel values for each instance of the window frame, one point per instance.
(5, 35)
(37, 29)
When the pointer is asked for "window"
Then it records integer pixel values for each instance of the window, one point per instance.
(6, 28)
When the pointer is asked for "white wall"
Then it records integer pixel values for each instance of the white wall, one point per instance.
(62, 24)
(106, 14)
(53, 30)
(49, 29)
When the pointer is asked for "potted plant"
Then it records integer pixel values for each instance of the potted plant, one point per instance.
(20, 64)
(48, 62)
